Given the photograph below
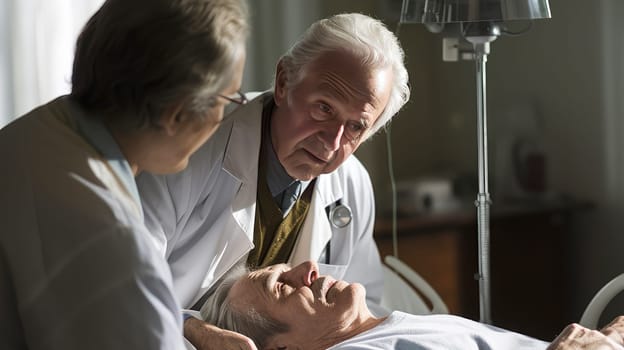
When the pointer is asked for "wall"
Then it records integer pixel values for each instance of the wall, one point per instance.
(275, 24)
(600, 234)
(565, 73)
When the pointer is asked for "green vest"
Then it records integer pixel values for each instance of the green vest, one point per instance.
(274, 235)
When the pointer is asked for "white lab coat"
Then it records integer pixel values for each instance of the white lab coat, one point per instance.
(76, 269)
(204, 216)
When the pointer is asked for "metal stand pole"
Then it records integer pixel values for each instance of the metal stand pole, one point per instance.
(481, 49)
(483, 198)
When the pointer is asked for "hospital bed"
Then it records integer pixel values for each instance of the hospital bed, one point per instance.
(405, 290)
(591, 315)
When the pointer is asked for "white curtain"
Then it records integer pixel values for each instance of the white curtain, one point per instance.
(36, 51)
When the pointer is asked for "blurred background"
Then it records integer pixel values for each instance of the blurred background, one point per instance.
(555, 117)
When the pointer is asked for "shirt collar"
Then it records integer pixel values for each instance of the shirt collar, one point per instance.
(98, 135)
(277, 177)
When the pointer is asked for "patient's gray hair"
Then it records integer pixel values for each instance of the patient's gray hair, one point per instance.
(219, 310)
(366, 38)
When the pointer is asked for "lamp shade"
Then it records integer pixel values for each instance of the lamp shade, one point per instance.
(449, 11)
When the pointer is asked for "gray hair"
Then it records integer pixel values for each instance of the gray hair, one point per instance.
(365, 37)
(219, 310)
(137, 58)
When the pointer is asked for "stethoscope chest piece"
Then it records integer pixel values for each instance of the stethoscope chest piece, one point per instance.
(340, 216)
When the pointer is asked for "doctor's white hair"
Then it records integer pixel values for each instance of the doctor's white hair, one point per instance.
(366, 38)
(219, 310)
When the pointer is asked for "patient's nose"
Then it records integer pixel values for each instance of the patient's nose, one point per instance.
(301, 275)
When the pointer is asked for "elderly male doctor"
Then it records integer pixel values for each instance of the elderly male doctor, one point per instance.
(342, 81)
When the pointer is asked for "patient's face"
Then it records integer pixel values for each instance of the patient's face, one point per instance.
(312, 305)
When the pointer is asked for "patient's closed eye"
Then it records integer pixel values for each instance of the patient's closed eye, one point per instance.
(283, 289)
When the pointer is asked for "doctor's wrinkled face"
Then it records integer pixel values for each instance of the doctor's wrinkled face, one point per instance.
(319, 120)
(313, 306)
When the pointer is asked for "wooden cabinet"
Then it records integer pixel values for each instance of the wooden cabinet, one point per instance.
(528, 254)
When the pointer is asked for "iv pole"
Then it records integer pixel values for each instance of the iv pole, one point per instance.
(477, 23)
(481, 34)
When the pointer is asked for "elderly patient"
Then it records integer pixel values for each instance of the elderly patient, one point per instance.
(280, 307)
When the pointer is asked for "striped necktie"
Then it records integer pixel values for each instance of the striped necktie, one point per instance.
(290, 195)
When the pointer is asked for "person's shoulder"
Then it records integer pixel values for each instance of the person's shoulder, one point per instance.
(37, 118)
(354, 164)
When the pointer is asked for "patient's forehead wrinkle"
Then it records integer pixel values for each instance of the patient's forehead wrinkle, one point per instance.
(258, 285)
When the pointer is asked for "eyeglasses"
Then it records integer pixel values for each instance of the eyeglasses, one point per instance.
(239, 98)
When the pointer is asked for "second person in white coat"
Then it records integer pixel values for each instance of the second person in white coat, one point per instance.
(341, 82)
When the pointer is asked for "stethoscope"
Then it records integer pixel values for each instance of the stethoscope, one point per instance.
(340, 216)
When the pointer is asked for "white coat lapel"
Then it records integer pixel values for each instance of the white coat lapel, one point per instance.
(241, 161)
(316, 230)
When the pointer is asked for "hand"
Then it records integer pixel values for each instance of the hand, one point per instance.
(205, 336)
(615, 330)
(577, 337)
